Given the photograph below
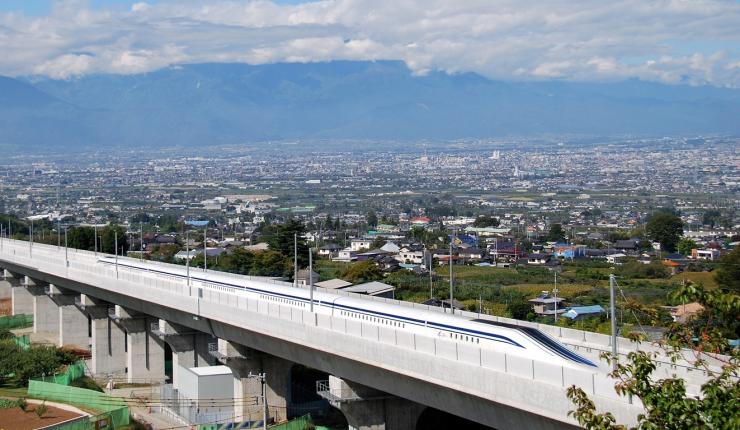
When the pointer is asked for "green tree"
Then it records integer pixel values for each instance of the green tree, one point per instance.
(486, 221)
(363, 271)
(519, 309)
(727, 274)
(666, 229)
(685, 245)
(282, 240)
(666, 402)
(372, 219)
(108, 239)
(556, 233)
(81, 238)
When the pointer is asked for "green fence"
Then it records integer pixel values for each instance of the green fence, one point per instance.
(16, 321)
(112, 407)
(73, 372)
(23, 341)
(301, 423)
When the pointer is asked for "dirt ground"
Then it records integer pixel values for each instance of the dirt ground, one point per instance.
(16, 419)
(6, 307)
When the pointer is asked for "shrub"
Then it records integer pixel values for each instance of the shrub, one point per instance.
(22, 403)
(41, 409)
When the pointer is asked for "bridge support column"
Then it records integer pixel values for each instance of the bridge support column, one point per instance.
(45, 311)
(189, 347)
(22, 300)
(73, 323)
(144, 351)
(108, 340)
(242, 361)
(5, 286)
(369, 409)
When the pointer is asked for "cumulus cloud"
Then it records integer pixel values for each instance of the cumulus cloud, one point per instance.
(676, 41)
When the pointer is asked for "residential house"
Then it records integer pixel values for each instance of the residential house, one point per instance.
(683, 313)
(374, 288)
(411, 254)
(360, 243)
(302, 278)
(330, 250)
(544, 305)
(333, 284)
(705, 254)
(577, 313)
(346, 254)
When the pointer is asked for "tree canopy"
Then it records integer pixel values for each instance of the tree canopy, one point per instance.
(666, 229)
(666, 402)
(556, 233)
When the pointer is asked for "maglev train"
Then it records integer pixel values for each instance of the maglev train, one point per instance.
(526, 342)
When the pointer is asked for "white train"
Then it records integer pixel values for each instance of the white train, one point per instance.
(511, 339)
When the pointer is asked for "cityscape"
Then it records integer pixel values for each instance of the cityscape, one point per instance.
(279, 214)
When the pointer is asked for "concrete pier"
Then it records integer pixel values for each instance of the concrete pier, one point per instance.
(22, 299)
(108, 340)
(5, 285)
(368, 409)
(189, 347)
(45, 311)
(144, 350)
(73, 326)
(244, 361)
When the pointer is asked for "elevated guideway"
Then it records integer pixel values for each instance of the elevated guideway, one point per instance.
(479, 384)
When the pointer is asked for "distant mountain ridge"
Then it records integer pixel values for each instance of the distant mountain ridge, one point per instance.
(204, 104)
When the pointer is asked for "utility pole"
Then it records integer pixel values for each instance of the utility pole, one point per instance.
(205, 248)
(431, 276)
(295, 259)
(30, 239)
(310, 275)
(452, 308)
(115, 245)
(187, 255)
(612, 311)
(555, 292)
(66, 249)
(95, 238)
(262, 377)
(141, 253)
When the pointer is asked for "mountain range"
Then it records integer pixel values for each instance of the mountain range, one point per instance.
(209, 104)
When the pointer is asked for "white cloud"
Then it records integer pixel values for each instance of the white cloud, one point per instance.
(665, 40)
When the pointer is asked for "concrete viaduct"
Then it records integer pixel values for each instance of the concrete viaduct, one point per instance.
(380, 378)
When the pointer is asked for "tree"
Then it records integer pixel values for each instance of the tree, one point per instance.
(108, 239)
(727, 274)
(556, 234)
(519, 309)
(283, 240)
(685, 245)
(363, 271)
(486, 221)
(372, 219)
(81, 238)
(666, 402)
(666, 229)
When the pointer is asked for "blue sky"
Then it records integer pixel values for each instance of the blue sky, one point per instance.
(670, 41)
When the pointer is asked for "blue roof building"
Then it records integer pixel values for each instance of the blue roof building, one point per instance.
(580, 312)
